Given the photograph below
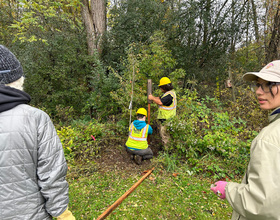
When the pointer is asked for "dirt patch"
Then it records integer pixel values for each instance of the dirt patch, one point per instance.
(113, 157)
(116, 158)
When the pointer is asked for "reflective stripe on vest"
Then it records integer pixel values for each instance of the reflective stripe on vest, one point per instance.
(137, 139)
(166, 112)
(143, 136)
(171, 107)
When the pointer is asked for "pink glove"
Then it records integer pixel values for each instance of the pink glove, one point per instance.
(219, 189)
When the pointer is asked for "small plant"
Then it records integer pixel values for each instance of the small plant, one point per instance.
(168, 161)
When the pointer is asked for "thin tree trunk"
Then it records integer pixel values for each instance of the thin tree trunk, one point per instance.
(247, 31)
(207, 21)
(232, 43)
(255, 20)
(256, 28)
(272, 52)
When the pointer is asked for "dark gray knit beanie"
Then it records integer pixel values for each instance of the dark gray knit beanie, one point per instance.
(10, 67)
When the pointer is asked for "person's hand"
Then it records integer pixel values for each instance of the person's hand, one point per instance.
(66, 215)
(151, 97)
(219, 189)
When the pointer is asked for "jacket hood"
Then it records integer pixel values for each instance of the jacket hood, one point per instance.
(139, 124)
(11, 97)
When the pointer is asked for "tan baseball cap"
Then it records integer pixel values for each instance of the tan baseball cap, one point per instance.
(271, 73)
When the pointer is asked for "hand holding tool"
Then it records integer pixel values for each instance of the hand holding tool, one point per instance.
(149, 92)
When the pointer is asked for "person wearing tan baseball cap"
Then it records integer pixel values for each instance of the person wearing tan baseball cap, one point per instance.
(271, 73)
(257, 196)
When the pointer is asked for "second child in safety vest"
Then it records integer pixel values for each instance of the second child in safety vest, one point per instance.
(167, 111)
(137, 140)
(167, 104)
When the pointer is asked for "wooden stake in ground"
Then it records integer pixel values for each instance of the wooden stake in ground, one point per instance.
(119, 201)
(149, 92)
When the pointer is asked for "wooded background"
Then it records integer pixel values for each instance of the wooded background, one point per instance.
(81, 58)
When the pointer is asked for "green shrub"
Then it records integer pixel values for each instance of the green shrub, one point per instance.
(78, 143)
(202, 128)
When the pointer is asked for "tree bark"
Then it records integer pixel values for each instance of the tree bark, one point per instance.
(255, 20)
(90, 27)
(272, 52)
(99, 15)
(99, 19)
(94, 16)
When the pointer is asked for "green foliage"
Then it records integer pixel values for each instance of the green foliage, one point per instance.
(145, 61)
(156, 59)
(201, 35)
(57, 75)
(248, 57)
(53, 55)
(133, 21)
(77, 142)
(169, 162)
(79, 145)
(102, 85)
(245, 107)
(39, 17)
(202, 128)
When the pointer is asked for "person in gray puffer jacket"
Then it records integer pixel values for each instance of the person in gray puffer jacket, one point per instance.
(32, 163)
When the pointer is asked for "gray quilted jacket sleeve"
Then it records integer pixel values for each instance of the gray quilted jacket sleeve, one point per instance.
(52, 167)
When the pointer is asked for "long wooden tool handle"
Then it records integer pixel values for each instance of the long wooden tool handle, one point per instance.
(119, 201)
(149, 91)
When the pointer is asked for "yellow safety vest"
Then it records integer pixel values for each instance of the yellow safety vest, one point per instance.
(166, 112)
(137, 139)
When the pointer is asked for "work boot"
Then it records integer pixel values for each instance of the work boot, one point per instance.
(132, 156)
(138, 159)
(146, 162)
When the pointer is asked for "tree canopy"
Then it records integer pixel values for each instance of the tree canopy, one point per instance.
(198, 42)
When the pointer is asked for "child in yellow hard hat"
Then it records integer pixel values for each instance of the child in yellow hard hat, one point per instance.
(167, 104)
(137, 144)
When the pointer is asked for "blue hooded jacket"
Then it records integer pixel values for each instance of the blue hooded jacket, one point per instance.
(141, 124)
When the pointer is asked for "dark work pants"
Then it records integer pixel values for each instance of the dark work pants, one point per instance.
(145, 153)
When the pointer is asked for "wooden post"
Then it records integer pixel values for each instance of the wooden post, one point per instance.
(149, 92)
(119, 201)
(130, 104)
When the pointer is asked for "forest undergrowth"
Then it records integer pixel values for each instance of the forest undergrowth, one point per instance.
(210, 141)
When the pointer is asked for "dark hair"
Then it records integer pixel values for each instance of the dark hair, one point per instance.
(167, 87)
(270, 84)
(139, 116)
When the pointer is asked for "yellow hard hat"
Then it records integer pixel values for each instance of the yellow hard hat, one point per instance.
(164, 81)
(142, 111)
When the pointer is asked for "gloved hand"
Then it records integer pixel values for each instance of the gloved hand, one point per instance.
(219, 189)
(66, 215)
